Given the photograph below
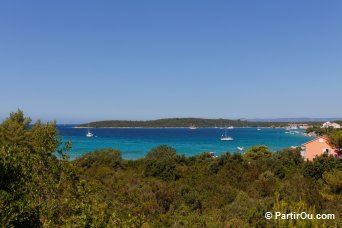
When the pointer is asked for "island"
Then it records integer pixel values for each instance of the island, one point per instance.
(186, 122)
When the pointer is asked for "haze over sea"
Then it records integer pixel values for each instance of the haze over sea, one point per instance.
(135, 143)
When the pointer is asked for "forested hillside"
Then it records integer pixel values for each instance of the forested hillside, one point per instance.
(183, 122)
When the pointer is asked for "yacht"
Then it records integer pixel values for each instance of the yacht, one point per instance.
(240, 148)
(224, 136)
(89, 134)
(230, 127)
(293, 127)
(192, 127)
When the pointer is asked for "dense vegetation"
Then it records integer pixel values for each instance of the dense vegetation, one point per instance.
(334, 134)
(185, 122)
(42, 188)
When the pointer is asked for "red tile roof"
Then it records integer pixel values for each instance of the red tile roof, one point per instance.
(320, 137)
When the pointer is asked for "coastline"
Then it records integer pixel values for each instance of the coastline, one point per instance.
(125, 127)
(173, 127)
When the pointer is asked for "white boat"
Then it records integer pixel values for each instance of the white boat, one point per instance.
(89, 134)
(240, 148)
(230, 127)
(227, 138)
(224, 136)
(212, 154)
(192, 127)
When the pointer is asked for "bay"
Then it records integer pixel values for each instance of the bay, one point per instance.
(135, 143)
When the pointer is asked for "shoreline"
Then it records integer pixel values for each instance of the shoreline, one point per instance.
(178, 127)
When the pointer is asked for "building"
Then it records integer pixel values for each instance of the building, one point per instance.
(318, 146)
(331, 125)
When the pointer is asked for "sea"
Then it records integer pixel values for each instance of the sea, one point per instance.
(135, 143)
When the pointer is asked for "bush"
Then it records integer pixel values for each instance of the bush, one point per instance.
(161, 162)
(335, 139)
(286, 162)
(266, 185)
(257, 152)
(106, 157)
(321, 164)
(334, 180)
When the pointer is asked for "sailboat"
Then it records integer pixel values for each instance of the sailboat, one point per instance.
(221, 126)
(89, 134)
(224, 136)
(230, 127)
(192, 127)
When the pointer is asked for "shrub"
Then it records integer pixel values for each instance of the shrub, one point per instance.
(161, 162)
(319, 165)
(106, 157)
(258, 152)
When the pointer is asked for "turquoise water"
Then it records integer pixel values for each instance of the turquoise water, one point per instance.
(134, 143)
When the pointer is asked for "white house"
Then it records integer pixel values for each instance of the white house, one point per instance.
(331, 125)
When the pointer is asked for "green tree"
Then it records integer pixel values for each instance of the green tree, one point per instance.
(265, 185)
(34, 184)
(318, 130)
(105, 157)
(257, 152)
(333, 179)
(161, 162)
(14, 130)
(321, 164)
(241, 209)
(335, 139)
(286, 162)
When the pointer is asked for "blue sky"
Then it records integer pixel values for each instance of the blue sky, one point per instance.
(74, 61)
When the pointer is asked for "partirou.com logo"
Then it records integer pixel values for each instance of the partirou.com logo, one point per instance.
(298, 215)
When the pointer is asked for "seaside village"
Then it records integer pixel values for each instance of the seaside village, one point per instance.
(320, 145)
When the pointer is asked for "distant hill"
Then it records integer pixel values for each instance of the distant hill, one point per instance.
(289, 120)
(185, 122)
